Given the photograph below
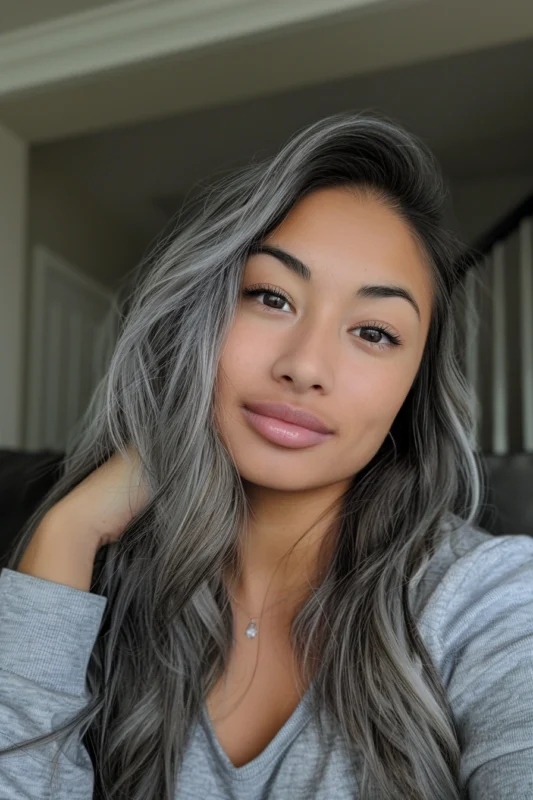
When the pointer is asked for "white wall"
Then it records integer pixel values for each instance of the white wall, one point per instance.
(68, 220)
(479, 203)
(13, 220)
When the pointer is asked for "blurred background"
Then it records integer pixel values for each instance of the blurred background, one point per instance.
(114, 113)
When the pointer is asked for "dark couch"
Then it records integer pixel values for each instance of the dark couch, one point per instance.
(509, 505)
(25, 477)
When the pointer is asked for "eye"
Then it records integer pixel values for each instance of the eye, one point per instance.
(381, 330)
(376, 327)
(255, 291)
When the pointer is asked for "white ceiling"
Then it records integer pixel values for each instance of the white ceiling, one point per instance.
(138, 60)
(474, 110)
(15, 14)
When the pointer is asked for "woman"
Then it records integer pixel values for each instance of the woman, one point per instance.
(297, 603)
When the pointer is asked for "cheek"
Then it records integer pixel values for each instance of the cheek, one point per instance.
(374, 397)
(240, 360)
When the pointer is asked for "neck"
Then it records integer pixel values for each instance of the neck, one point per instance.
(284, 551)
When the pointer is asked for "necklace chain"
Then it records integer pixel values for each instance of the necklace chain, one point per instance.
(251, 629)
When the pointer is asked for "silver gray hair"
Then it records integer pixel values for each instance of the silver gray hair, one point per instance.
(166, 633)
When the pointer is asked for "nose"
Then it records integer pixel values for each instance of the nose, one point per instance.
(307, 359)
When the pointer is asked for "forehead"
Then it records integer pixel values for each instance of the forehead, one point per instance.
(349, 237)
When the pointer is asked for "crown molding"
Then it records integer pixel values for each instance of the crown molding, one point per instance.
(131, 32)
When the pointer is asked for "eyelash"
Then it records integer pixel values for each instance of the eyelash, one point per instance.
(254, 291)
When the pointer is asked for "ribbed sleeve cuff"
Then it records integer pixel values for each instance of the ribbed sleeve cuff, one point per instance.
(47, 630)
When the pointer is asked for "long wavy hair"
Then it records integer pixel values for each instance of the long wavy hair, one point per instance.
(167, 629)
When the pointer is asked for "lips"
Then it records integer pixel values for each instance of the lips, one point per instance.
(286, 413)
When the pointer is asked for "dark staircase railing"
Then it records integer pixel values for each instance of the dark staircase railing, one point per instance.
(498, 345)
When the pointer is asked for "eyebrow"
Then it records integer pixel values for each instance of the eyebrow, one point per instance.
(367, 290)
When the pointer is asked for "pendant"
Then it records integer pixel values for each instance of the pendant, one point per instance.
(251, 630)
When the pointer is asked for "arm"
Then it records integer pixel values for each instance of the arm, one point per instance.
(49, 622)
(56, 554)
(488, 641)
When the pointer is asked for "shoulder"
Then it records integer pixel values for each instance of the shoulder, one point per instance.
(477, 586)
(476, 618)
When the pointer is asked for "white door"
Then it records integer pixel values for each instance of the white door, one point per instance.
(73, 330)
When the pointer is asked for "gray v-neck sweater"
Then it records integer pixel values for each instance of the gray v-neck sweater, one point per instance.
(474, 608)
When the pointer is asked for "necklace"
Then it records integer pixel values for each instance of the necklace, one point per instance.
(251, 629)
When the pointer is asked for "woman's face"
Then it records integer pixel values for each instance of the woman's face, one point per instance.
(318, 349)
